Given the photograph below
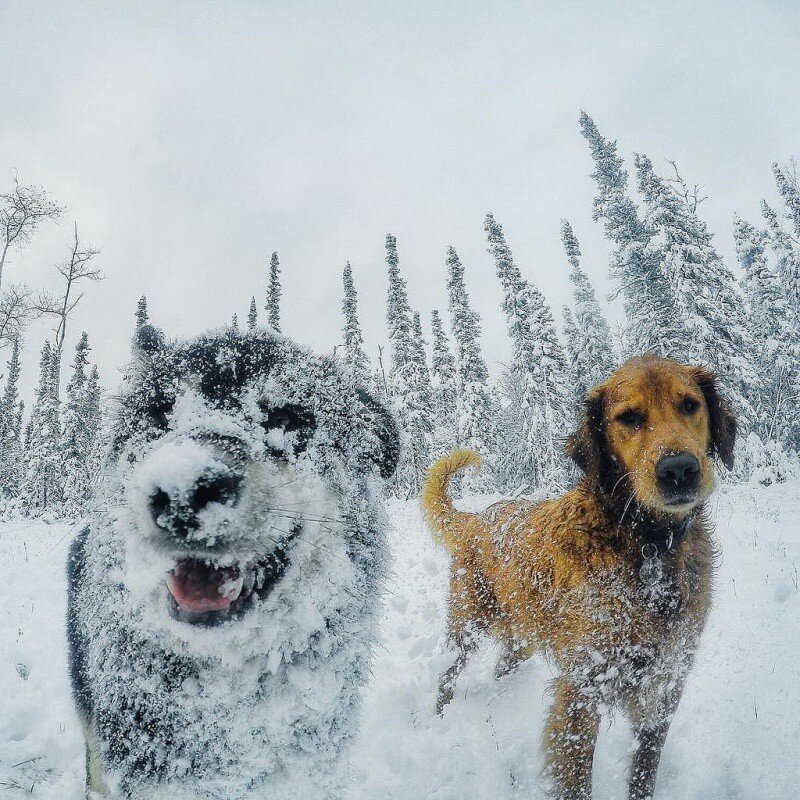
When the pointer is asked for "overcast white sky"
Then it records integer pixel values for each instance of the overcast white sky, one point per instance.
(189, 140)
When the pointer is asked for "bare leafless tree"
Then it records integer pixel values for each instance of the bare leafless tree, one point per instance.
(77, 269)
(22, 211)
(16, 310)
(691, 197)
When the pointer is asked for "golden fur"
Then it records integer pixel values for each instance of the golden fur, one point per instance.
(562, 576)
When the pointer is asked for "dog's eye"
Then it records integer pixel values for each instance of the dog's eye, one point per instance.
(688, 405)
(288, 418)
(630, 418)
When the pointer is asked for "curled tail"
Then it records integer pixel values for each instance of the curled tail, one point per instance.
(437, 505)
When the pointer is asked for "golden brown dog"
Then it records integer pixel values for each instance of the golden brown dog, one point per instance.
(613, 579)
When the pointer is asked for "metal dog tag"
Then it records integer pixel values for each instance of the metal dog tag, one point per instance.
(652, 570)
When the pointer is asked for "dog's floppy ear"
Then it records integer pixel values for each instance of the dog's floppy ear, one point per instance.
(587, 445)
(721, 420)
(386, 450)
(147, 340)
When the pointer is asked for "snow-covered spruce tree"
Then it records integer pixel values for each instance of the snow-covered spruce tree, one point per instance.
(273, 304)
(75, 445)
(235, 322)
(252, 315)
(774, 330)
(142, 316)
(475, 413)
(422, 383)
(572, 349)
(96, 437)
(790, 191)
(787, 253)
(443, 380)
(648, 300)
(591, 356)
(10, 444)
(530, 450)
(354, 355)
(406, 381)
(41, 486)
(709, 304)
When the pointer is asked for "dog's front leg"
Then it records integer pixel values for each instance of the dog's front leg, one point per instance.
(650, 741)
(651, 727)
(570, 740)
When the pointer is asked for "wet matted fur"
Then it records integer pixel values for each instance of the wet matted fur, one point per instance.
(565, 577)
(223, 597)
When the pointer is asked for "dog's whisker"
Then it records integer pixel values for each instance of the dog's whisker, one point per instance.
(627, 506)
(622, 478)
(289, 514)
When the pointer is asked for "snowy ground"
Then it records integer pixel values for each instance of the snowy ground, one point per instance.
(736, 736)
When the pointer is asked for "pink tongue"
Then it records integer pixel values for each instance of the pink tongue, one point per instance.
(197, 586)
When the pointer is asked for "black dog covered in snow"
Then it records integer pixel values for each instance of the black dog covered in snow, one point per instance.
(222, 599)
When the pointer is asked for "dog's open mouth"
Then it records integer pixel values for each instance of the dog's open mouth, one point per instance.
(202, 593)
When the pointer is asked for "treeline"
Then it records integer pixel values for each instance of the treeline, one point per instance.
(49, 459)
(679, 298)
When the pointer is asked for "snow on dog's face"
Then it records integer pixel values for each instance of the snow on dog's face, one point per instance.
(239, 456)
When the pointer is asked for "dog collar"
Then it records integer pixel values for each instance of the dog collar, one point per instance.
(664, 536)
(651, 571)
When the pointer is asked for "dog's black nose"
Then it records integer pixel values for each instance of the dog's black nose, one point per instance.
(678, 474)
(178, 512)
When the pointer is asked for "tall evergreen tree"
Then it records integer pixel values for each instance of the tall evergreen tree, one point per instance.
(93, 415)
(774, 330)
(787, 254)
(273, 305)
(708, 303)
(398, 310)
(235, 322)
(591, 355)
(142, 316)
(790, 191)
(354, 355)
(420, 359)
(252, 316)
(536, 385)
(407, 380)
(570, 336)
(41, 486)
(75, 448)
(10, 444)
(648, 300)
(443, 379)
(473, 399)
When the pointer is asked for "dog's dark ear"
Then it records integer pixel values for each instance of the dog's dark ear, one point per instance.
(147, 340)
(721, 420)
(386, 451)
(587, 446)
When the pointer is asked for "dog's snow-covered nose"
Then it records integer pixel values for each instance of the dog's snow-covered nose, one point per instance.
(178, 512)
